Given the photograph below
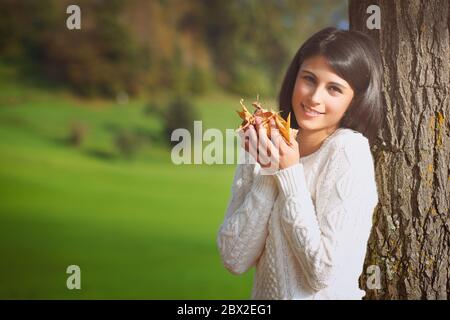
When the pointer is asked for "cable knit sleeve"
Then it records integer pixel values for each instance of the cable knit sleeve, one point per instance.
(333, 235)
(241, 237)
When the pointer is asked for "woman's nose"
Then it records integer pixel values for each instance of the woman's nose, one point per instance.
(316, 96)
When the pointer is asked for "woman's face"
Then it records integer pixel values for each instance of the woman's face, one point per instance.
(318, 87)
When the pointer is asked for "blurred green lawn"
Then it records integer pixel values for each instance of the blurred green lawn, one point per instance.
(140, 228)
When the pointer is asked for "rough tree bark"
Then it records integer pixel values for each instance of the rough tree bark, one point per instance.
(410, 239)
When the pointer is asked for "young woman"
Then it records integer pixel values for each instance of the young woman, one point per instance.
(305, 227)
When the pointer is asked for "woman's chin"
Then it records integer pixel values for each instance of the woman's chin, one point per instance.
(307, 125)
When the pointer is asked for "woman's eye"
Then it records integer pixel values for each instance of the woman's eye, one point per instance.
(311, 79)
(336, 89)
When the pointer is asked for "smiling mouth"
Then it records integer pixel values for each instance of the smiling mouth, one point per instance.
(310, 111)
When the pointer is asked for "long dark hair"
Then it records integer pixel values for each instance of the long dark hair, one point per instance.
(354, 57)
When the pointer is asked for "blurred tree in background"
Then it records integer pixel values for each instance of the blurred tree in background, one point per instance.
(101, 58)
(180, 46)
(180, 113)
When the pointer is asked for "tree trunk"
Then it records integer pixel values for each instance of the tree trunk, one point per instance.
(410, 239)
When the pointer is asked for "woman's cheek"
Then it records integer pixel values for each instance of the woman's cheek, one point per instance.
(303, 90)
(300, 92)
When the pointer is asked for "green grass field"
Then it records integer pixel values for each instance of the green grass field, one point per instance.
(138, 228)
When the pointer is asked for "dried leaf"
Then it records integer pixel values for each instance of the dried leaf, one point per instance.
(265, 115)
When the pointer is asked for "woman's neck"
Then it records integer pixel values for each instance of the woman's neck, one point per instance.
(310, 141)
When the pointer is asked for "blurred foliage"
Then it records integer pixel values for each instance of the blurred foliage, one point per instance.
(180, 113)
(77, 135)
(152, 108)
(132, 46)
(127, 143)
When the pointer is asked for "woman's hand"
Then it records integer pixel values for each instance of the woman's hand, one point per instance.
(249, 141)
(272, 154)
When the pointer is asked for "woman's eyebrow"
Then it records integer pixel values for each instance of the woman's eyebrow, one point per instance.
(335, 83)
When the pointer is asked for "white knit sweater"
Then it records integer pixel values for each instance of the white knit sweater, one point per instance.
(306, 227)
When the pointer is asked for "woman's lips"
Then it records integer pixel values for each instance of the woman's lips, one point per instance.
(310, 114)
